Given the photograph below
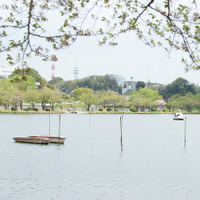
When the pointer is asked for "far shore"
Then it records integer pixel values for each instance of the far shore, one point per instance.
(86, 112)
(126, 112)
(30, 112)
(89, 112)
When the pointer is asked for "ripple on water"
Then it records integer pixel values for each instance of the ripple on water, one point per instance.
(91, 166)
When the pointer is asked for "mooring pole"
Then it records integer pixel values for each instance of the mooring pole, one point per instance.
(49, 123)
(59, 126)
(185, 131)
(121, 123)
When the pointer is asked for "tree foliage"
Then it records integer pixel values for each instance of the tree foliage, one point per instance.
(56, 81)
(175, 102)
(25, 73)
(187, 102)
(88, 99)
(111, 99)
(56, 97)
(45, 96)
(76, 94)
(140, 84)
(23, 83)
(32, 97)
(144, 98)
(180, 86)
(25, 25)
(149, 93)
(93, 82)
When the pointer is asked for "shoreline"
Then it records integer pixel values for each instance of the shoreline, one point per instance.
(134, 113)
(89, 112)
(30, 112)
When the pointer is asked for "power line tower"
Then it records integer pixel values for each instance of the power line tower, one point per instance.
(52, 69)
(76, 72)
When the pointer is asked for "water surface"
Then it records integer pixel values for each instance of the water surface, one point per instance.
(154, 163)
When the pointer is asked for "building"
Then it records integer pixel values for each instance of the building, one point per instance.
(119, 79)
(126, 89)
(6, 71)
(130, 84)
(154, 86)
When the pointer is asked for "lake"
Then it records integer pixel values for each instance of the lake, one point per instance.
(154, 163)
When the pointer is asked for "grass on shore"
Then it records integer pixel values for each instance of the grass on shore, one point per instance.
(128, 112)
(89, 112)
(29, 112)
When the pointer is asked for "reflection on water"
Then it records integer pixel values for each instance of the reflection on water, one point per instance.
(154, 163)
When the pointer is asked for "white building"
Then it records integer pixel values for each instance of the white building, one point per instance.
(130, 84)
(6, 71)
(119, 79)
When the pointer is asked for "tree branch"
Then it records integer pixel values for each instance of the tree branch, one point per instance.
(188, 49)
(168, 2)
(145, 8)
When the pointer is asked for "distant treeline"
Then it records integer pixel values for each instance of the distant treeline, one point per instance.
(104, 83)
(27, 87)
(96, 83)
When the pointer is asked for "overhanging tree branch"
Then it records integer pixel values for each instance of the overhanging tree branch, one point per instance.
(152, 20)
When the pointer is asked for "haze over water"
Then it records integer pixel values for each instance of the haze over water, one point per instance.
(90, 165)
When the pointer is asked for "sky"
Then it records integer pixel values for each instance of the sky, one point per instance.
(131, 58)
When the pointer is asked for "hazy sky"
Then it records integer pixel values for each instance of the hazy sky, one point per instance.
(130, 58)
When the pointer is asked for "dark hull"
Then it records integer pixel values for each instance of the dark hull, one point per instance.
(180, 119)
(52, 139)
(32, 140)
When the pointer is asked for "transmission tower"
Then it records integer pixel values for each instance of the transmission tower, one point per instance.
(52, 69)
(76, 72)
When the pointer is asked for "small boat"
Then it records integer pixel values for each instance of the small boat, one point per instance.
(32, 139)
(178, 116)
(55, 139)
(42, 139)
(52, 139)
(73, 112)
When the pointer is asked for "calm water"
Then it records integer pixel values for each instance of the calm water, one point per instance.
(154, 164)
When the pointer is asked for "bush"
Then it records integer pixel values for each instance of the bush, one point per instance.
(36, 109)
(30, 108)
(109, 109)
(14, 109)
(154, 109)
(101, 109)
(25, 109)
(133, 109)
(47, 109)
(116, 109)
(164, 110)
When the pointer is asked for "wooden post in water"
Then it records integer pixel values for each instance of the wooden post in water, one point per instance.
(185, 131)
(59, 125)
(121, 123)
(49, 123)
(89, 117)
